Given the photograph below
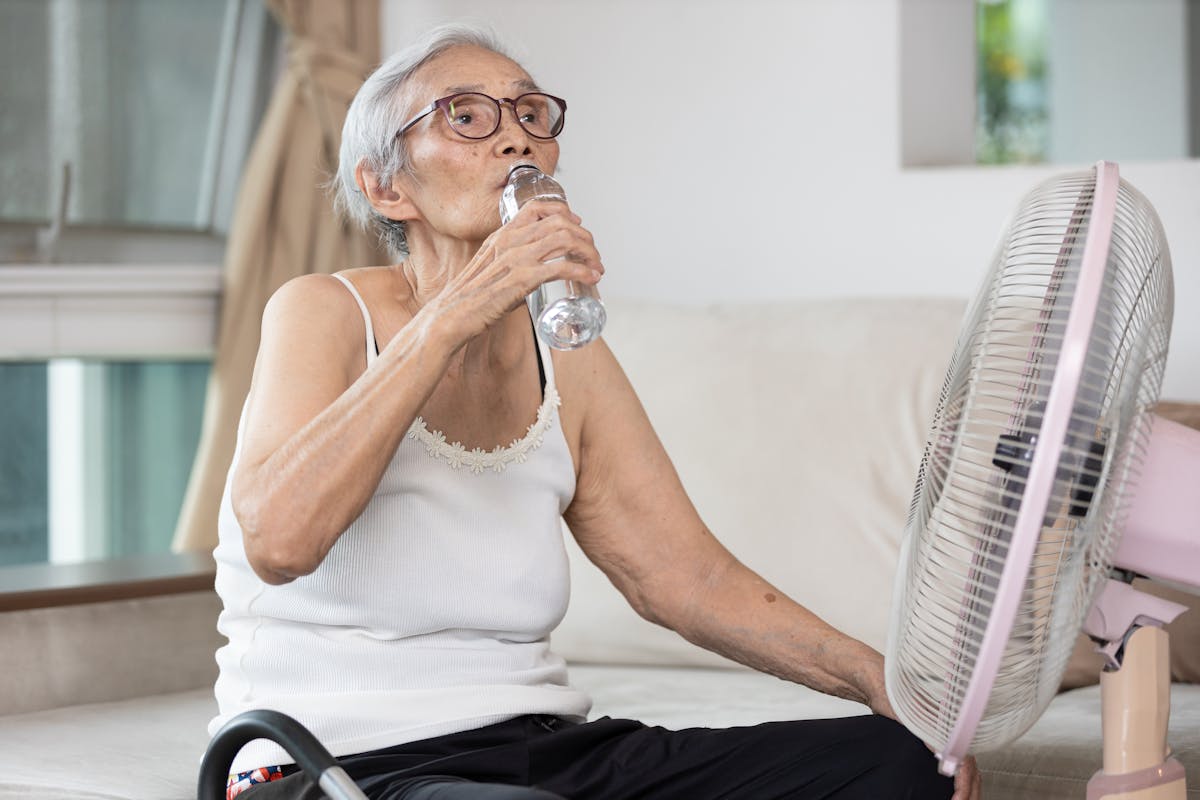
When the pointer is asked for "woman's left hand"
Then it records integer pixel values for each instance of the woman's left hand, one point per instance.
(968, 785)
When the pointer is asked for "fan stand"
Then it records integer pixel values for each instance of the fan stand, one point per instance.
(1159, 542)
(1136, 704)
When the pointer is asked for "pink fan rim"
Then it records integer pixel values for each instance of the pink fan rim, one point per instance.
(1043, 467)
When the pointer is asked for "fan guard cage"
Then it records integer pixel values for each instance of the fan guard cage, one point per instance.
(986, 426)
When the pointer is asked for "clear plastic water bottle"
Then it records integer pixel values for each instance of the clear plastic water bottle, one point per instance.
(567, 314)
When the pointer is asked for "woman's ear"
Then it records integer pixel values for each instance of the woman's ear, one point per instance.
(387, 200)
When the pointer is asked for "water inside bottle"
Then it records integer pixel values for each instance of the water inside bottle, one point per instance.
(565, 315)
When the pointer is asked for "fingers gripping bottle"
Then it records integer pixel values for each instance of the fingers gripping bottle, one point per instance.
(567, 314)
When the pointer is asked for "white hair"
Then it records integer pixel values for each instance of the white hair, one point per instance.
(374, 118)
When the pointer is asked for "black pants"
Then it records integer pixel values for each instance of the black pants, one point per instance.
(544, 758)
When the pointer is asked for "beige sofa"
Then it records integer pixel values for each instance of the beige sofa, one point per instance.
(797, 429)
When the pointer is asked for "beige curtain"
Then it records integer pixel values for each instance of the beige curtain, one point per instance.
(283, 223)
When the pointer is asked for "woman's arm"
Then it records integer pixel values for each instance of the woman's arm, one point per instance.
(319, 431)
(633, 519)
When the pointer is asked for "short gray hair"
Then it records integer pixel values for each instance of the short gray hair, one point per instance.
(375, 115)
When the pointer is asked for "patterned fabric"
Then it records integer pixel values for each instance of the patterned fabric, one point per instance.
(241, 781)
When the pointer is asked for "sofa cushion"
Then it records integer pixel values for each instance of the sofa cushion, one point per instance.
(1060, 753)
(1053, 760)
(699, 697)
(797, 430)
(149, 748)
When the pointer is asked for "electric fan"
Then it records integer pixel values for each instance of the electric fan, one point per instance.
(1046, 485)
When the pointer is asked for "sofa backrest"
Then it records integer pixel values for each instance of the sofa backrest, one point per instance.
(797, 429)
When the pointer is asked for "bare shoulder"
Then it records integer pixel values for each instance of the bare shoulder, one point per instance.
(306, 295)
(312, 335)
(315, 312)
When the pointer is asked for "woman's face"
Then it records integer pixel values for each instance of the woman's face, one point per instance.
(455, 183)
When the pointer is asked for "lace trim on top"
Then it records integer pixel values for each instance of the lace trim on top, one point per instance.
(477, 460)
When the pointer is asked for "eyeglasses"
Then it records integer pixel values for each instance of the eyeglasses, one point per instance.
(474, 115)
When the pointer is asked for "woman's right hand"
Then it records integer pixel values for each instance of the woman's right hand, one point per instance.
(543, 242)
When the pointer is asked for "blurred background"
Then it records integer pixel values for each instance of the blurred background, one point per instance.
(720, 152)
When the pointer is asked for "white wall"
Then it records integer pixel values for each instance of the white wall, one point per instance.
(1118, 107)
(769, 167)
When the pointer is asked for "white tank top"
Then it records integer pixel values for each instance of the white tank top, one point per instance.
(430, 615)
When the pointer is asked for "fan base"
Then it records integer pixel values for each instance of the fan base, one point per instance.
(1136, 706)
(1151, 781)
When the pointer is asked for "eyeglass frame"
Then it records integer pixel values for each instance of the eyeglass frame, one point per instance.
(444, 104)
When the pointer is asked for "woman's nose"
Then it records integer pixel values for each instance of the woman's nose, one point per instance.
(511, 137)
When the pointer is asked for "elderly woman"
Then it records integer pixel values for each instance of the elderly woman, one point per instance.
(390, 553)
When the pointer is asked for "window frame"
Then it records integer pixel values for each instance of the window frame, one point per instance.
(122, 291)
(142, 310)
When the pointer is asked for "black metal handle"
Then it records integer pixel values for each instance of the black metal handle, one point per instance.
(310, 755)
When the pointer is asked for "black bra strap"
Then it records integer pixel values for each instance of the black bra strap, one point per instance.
(537, 351)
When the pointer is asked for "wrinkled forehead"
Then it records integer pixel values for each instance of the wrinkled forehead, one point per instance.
(466, 68)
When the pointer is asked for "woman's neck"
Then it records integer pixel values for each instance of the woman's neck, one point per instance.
(432, 263)
(427, 270)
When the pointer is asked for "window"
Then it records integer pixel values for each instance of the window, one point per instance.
(24, 497)
(129, 113)
(96, 456)
(1012, 123)
(125, 124)
(1035, 81)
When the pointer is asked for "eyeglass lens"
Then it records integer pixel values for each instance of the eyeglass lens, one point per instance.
(477, 116)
